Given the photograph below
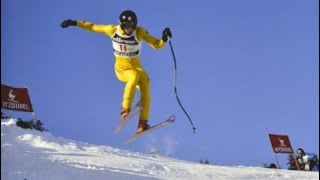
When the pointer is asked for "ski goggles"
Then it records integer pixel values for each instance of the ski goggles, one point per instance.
(128, 25)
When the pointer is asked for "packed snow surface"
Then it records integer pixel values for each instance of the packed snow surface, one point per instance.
(33, 155)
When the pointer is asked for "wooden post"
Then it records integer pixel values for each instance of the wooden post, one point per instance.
(278, 165)
(33, 113)
(295, 161)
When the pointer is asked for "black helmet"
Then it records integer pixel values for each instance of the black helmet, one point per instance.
(128, 19)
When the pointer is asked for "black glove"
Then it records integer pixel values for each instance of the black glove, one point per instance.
(67, 23)
(166, 34)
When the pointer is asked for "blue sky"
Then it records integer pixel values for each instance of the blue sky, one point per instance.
(243, 67)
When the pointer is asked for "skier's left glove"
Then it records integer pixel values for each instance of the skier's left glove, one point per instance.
(166, 34)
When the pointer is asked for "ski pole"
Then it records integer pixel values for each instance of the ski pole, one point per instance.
(175, 86)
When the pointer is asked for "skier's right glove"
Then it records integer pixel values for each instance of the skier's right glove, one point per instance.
(166, 34)
(67, 23)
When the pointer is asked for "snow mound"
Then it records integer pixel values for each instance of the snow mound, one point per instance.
(33, 155)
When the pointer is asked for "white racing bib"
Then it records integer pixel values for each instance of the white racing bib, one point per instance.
(124, 45)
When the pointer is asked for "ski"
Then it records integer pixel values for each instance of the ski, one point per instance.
(170, 120)
(137, 108)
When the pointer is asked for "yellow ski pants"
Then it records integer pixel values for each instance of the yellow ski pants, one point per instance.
(131, 72)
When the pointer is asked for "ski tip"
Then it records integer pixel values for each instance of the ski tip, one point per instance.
(172, 118)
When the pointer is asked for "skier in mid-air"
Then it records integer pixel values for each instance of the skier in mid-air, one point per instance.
(126, 40)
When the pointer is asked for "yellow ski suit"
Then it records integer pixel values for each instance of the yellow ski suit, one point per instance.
(127, 65)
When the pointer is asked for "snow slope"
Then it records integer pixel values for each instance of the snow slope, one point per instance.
(34, 155)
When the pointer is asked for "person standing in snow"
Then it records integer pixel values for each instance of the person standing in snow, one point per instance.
(126, 40)
(307, 161)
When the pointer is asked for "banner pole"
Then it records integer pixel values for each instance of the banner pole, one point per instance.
(11, 115)
(295, 161)
(33, 113)
(274, 154)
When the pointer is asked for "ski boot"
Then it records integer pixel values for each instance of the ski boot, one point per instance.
(124, 112)
(142, 126)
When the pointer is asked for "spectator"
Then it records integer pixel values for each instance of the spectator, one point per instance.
(272, 166)
(32, 124)
(307, 161)
(3, 116)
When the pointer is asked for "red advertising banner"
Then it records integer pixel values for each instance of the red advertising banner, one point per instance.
(280, 143)
(16, 99)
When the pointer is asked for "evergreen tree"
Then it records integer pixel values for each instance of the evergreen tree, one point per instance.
(204, 161)
(291, 163)
(201, 161)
